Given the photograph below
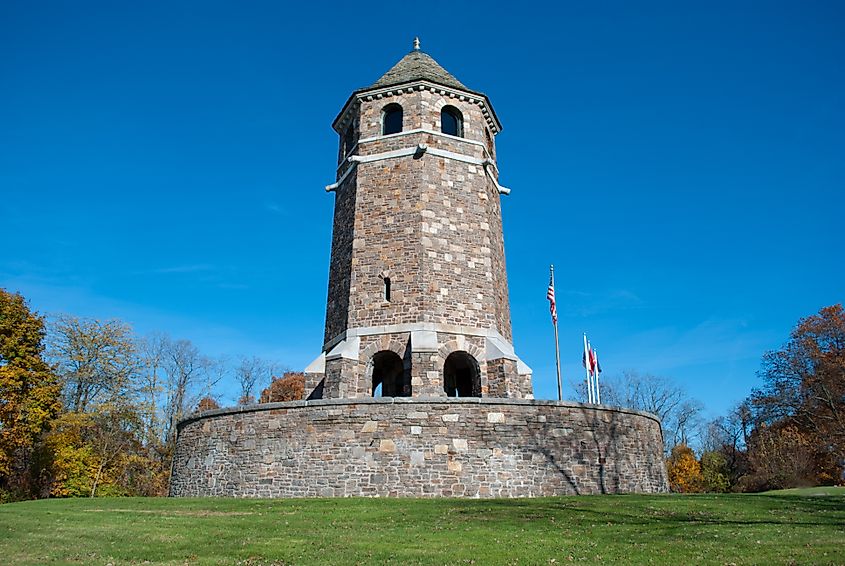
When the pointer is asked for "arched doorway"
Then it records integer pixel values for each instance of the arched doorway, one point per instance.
(461, 376)
(388, 375)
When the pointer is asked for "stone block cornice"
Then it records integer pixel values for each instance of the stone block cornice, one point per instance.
(418, 151)
(348, 111)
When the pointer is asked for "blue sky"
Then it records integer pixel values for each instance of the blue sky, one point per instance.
(682, 166)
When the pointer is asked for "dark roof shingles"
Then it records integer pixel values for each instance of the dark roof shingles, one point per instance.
(416, 65)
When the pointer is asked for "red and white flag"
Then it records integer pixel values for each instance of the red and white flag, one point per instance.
(587, 357)
(594, 362)
(596, 372)
(550, 295)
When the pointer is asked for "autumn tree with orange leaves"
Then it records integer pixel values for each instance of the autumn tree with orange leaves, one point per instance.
(804, 396)
(289, 387)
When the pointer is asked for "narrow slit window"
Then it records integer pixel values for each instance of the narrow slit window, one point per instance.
(387, 288)
(490, 149)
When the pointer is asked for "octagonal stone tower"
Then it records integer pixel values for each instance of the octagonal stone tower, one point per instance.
(418, 296)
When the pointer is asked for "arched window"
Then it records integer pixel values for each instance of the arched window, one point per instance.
(461, 376)
(387, 288)
(391, 119)
(348, 140)
(452, 121)
(389, 376)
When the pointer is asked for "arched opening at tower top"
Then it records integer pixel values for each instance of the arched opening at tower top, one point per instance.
(452, 121)
(391, 119)
(461, 376)
(388, 375)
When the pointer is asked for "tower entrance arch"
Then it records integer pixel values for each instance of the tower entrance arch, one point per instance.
(461, 375)
(388, 375)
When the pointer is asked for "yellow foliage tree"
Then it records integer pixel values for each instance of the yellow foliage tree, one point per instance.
(91, 454)
(29, 392)
(69, 463)
(684, 470)
(714, 472)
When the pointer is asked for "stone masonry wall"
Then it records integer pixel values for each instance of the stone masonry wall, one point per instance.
(348, 378)
(431, 224)
(340, 270)
(424, 448)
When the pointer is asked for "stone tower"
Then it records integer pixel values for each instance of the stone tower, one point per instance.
(418, 295)
(417, 313)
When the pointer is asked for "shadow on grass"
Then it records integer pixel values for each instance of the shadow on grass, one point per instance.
(665, 511)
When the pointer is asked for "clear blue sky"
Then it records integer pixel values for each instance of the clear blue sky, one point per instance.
(683, 166)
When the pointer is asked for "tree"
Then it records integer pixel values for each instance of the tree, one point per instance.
(98, 453)
(123, 397)
(107, 395)
(678, 413)
(207, 404)
(65, 463)
(152, 350)
(97, 361)
(728, 436)
(805, 382)
(714, 472)
(289, 387)
(779, 456)
(113, 436)
(190, 376)
(248, 373)
(684, 470)
(29, 391)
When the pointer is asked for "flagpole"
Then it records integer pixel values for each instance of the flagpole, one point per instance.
(557, 345)
(598, 391)
(587, 369)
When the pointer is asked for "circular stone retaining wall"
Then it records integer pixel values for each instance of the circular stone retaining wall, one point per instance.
(418, 447)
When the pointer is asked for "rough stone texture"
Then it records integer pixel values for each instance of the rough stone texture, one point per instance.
(421, 448)
(341, 258)
(431, 224)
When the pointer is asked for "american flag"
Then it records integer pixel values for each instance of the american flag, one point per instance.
(550, 295)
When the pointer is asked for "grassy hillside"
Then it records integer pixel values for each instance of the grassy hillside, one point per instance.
(778, 528)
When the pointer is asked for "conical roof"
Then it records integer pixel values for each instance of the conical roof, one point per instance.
(417, 65)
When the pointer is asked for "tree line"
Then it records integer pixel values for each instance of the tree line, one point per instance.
(790, 431)
(89, 408)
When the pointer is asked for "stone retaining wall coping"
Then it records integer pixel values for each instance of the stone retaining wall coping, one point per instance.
(409, 401)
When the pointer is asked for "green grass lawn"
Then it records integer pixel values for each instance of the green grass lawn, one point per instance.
(775, 528)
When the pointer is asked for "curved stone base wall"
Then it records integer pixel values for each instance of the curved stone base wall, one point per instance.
(418, 447)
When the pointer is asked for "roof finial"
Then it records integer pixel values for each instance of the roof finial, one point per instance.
(416, 44)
